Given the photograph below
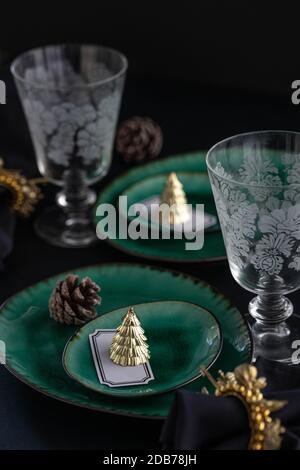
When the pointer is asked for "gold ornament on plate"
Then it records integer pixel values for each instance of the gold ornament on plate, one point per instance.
(129, 345)
(243, 383)
(174, 196)
(25, 191)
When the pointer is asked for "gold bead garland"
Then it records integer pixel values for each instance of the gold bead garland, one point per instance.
(25, 192)
(266, 433)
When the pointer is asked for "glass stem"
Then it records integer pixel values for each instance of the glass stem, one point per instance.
(270, 309)
(76, 200)
(273, 334)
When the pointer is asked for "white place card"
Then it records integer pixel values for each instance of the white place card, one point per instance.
(108, 372)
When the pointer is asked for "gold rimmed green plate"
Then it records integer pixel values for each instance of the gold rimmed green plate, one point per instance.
(35, 343)
(168, 250)
(181, 337)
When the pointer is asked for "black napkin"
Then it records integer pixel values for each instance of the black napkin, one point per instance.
(7, 225)
(206, 422)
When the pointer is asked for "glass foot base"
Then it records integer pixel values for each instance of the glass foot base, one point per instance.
(54, 227)
(279, 343)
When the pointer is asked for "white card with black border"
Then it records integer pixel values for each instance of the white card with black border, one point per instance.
(108, 372)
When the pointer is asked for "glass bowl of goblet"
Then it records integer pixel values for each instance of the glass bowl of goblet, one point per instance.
(71, 96)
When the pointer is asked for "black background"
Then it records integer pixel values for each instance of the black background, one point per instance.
(248, 45)
(204, 72)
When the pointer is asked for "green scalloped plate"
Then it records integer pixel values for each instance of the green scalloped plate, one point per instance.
(181, 337)
(167, 250)
(35, 343)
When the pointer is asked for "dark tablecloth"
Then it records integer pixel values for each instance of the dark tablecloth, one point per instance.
(193, 118)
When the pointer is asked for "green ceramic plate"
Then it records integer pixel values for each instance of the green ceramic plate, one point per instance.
(196, 185)
(181, 337)
(168, 250)
(35, 343)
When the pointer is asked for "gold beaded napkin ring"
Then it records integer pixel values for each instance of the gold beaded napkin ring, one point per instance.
(25, 191)
(243, 383)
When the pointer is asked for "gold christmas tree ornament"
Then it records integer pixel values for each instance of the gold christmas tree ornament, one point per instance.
(25, 192)
(129, 345)
(243, 383)
(174, 196)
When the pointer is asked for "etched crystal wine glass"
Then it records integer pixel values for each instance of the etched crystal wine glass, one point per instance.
(255, 179)
(71, 96)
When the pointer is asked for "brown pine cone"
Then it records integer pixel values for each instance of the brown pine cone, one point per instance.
(73, 303)
(138, 139)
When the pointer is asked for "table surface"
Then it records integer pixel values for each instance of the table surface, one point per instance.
(193, 118)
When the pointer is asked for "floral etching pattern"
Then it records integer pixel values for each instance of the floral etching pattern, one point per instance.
(69, 130)
(286, 220)
(66, 122)
(295, 263)
(270, 251)
(260, 219)
(261, 170)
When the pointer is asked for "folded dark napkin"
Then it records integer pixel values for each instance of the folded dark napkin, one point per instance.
(7, 225)
(205, 422)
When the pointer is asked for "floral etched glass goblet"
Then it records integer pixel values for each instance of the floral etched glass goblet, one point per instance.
(255, 179)
(71, 96)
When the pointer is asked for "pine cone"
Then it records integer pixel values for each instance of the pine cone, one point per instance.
(74, 303)
(138, 139)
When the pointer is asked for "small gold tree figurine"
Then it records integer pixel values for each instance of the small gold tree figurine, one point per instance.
(129, 345)
(174, 196)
